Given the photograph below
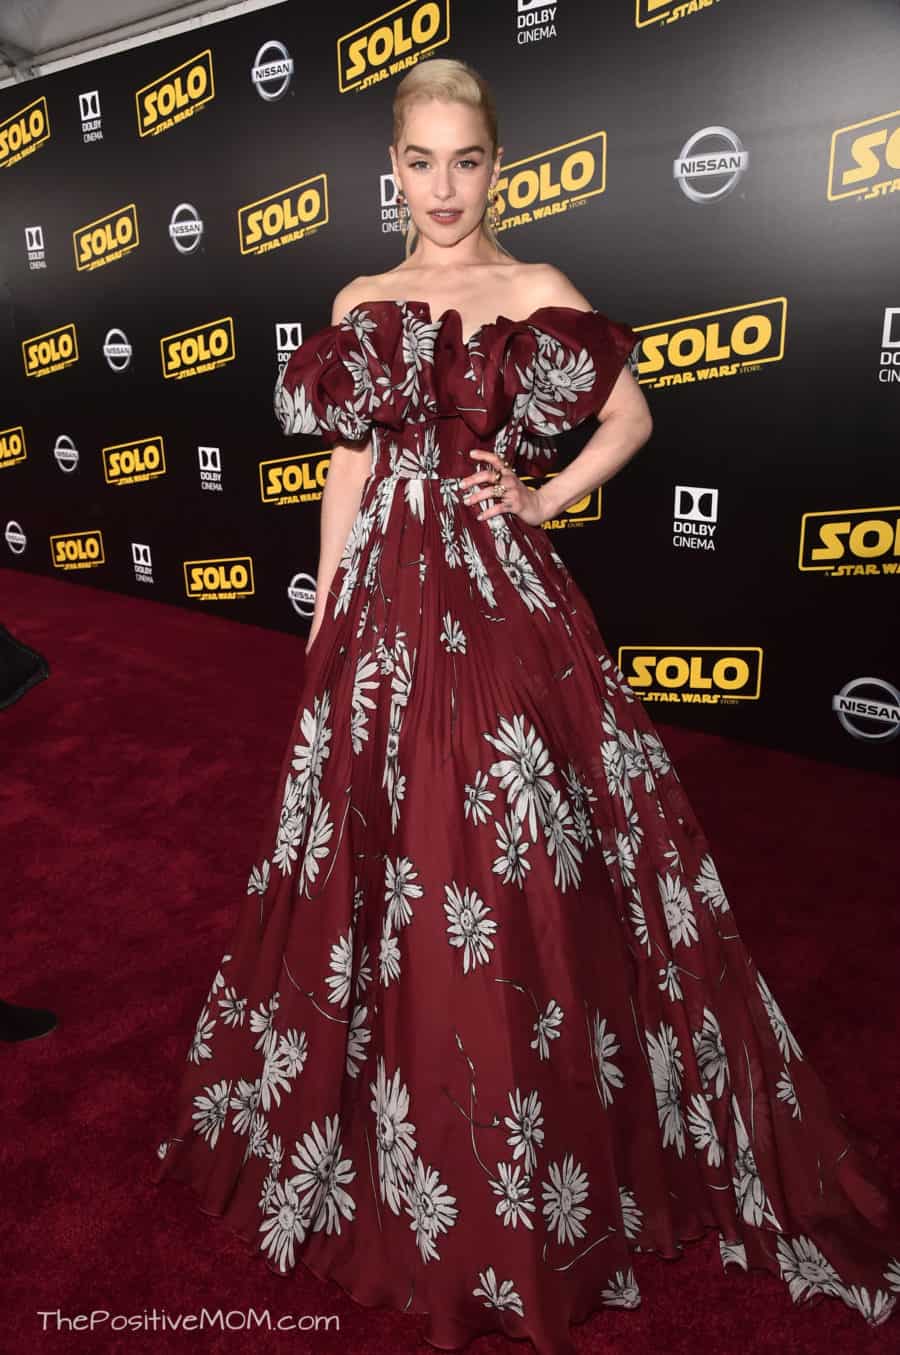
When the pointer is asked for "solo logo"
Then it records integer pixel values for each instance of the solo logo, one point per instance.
(283, 217)
(12, 446)
(23, 132)
(395, 40)
(128, 463)
(851, 541)
(667, 11)
(177, 95)
(77, 550)
(108, 238)
(192, 352)
(712, 343)
(586, 509)
(51, 351)
(551, 181)
(293, 479)
(219, 580)
(706, 674)
(865, 159)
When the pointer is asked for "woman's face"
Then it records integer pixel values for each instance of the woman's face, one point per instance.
(444, 166)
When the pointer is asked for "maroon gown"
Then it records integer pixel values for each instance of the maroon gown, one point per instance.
(485, 1027)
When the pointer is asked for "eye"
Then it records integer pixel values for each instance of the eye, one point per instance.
(473, 163)
(414, 164)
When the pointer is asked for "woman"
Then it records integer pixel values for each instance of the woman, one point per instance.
(487, 1027)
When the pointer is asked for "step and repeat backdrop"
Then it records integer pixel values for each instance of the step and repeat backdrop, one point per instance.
(722, 175)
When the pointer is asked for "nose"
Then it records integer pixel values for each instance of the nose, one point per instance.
(443, 188)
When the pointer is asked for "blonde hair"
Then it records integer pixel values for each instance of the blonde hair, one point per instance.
(453, 82)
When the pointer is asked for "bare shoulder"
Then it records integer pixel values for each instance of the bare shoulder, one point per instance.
(352, 294)
(527, 287)
(549, 286)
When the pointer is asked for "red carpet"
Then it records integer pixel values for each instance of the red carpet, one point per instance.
(133, 782)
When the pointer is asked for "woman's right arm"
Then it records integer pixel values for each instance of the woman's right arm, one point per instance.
(348, 470)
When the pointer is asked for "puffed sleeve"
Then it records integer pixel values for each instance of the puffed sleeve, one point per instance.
(570, 368)
(541, 376)
(325, 388)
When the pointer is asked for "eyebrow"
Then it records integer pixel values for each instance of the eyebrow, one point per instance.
(424, 150)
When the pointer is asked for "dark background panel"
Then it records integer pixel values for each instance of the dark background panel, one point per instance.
(814, 431)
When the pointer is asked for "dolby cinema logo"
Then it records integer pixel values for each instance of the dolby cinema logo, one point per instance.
(34, 247)
(142, 560)
(390, 207)
(185, 228)
(696, 517)
(890, 345)
(288, 338)
(272, 71)
(210, 462)
(91, 119)
(535, 20)
(710, 165)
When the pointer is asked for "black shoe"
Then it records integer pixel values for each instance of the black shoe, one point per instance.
(24, 1023)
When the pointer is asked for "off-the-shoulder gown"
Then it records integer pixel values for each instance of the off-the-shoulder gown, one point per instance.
(485, 1027)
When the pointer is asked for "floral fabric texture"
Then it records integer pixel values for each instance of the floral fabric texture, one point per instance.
(486, 1028)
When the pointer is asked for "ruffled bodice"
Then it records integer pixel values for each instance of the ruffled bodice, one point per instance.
(389, 373)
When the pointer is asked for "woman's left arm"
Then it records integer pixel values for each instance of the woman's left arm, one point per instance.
(625, 425)
(625, 419)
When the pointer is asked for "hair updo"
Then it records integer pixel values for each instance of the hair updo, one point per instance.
(453, 82)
